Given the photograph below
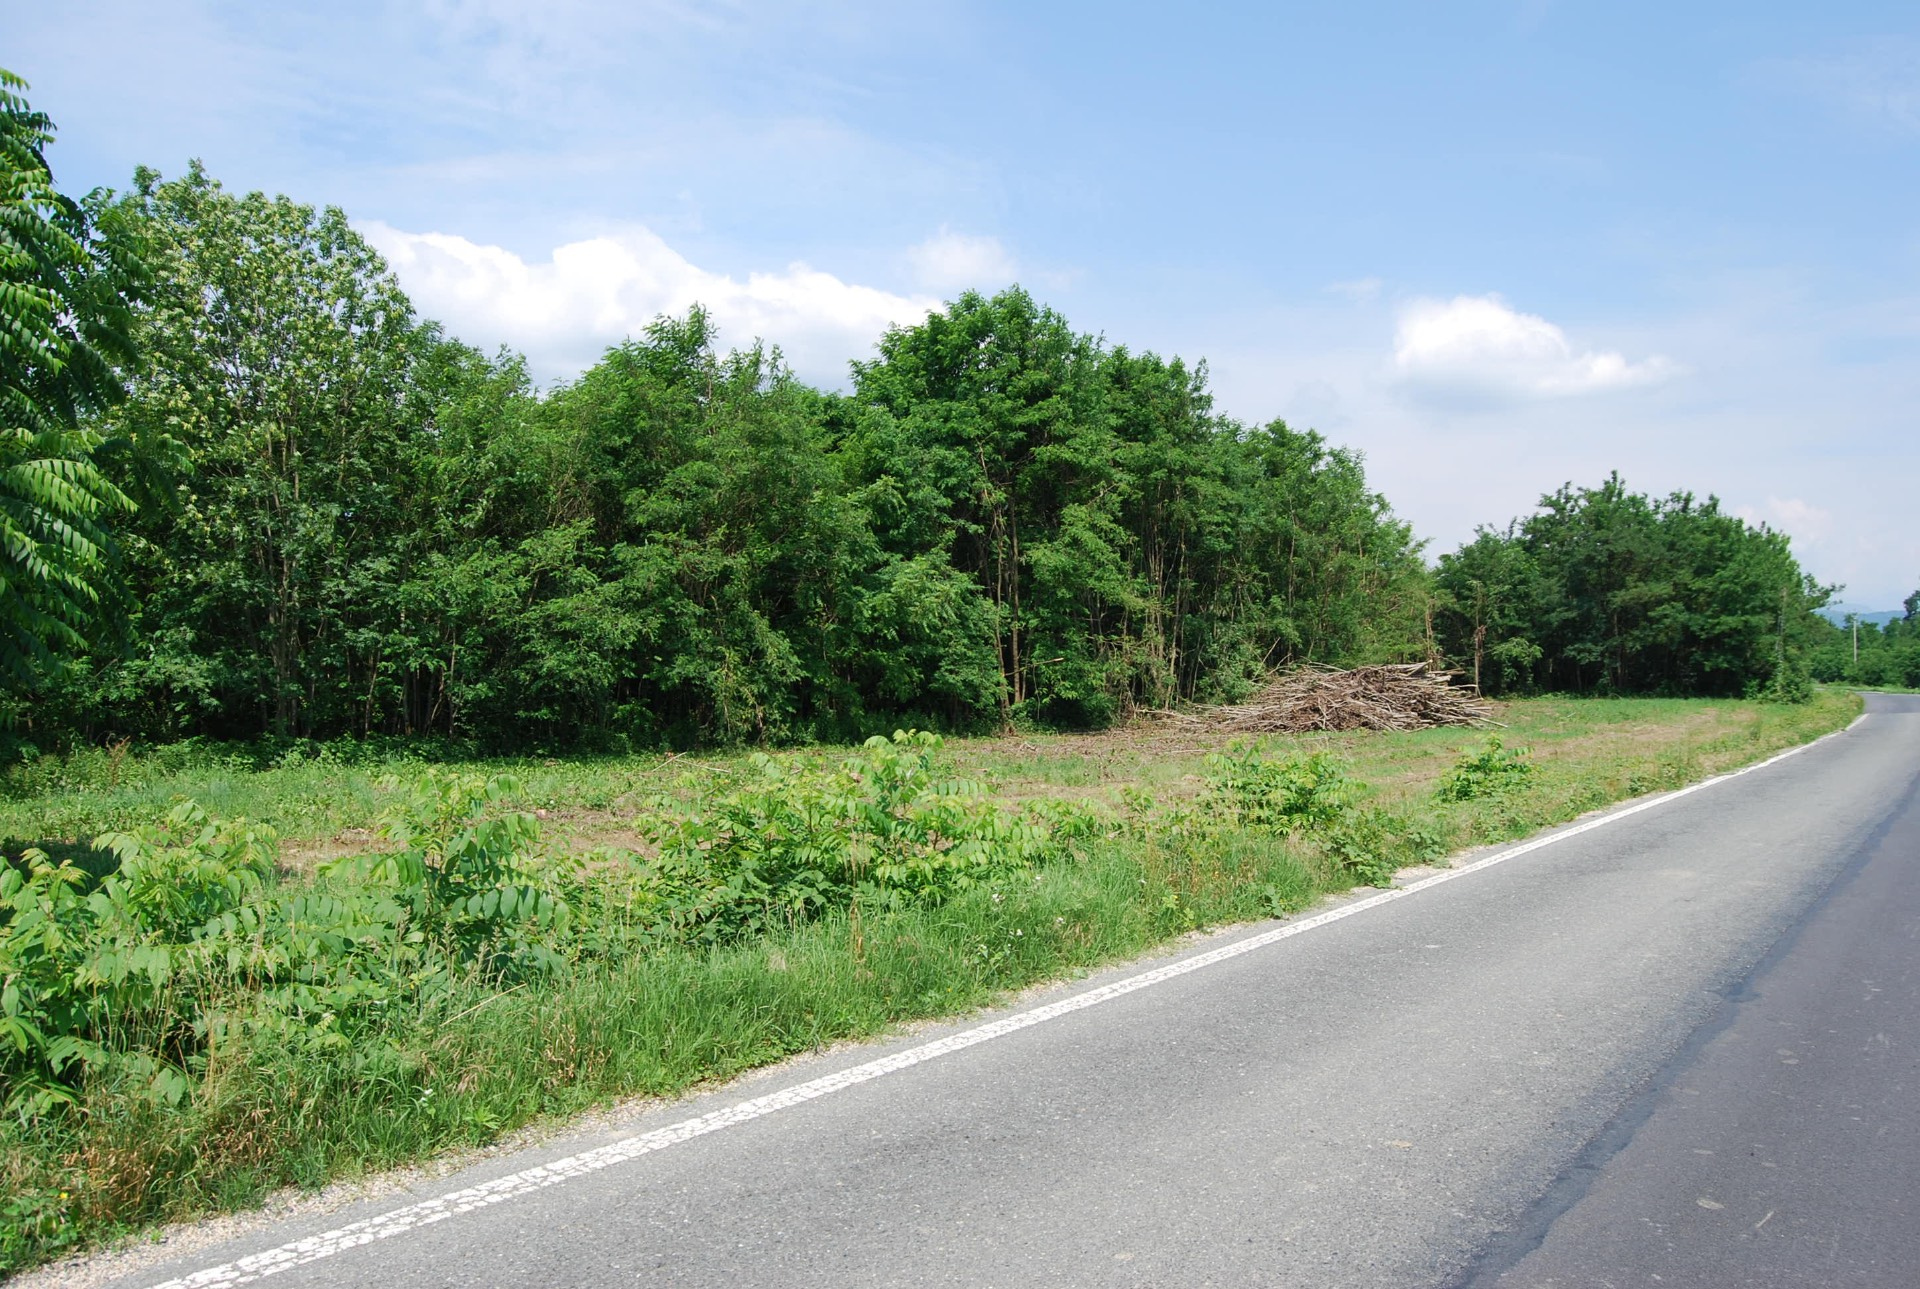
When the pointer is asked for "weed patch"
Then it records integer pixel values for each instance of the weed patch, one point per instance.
(1492, 771)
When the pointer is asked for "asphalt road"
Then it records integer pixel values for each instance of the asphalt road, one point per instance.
(1783, 1147)
(1682, 1045)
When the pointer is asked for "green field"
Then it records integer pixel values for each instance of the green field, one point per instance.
(326, 801)
(221, 1086)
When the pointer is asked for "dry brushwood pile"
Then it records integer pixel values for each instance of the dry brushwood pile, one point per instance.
(1311, 699)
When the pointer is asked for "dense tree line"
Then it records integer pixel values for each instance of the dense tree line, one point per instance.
(349, 524)
(246, 491)
(1604, 590)
(1870, 653)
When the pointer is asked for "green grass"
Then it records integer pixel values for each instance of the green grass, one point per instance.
(659, 1023)
(1608, 748)
(1590, 753)
(656, 1024)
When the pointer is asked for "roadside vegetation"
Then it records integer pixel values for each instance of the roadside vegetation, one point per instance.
(210, 1021)
(393, 752)
(1870, 655)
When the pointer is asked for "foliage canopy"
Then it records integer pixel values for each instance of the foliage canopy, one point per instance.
(369, 529)
(67, 270)
(1604, 590)
(350, 525)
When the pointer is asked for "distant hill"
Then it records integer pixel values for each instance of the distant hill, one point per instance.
(1837, 614)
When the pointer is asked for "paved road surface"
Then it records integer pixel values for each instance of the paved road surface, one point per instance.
(1783, 1148)
(1603, 1061)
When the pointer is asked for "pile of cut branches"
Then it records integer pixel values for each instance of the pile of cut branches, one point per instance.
(1310, 699)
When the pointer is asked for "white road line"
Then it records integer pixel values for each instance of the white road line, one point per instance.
(413, 1216)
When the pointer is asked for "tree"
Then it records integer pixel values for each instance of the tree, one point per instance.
(989, 418)
(1608, 590)
(67, 272)
(1134, 547)
(1329, 574)
(378, 530)
(277, 351)
(1489, 591)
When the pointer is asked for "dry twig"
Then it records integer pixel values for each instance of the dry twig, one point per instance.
(1394, 696)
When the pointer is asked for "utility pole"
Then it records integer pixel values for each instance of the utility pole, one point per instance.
(1856, 639)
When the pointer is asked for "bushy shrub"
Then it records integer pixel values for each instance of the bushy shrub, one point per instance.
(801, 836)
(190, 939)
(468, 872)
(1311, 796)
(1792, 682)
(1372, 844)
(94, 979)
(1491, 771)
(1248, 786)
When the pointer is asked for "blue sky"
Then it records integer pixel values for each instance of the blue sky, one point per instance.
(1495, 246)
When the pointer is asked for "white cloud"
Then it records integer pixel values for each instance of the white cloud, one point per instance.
(1799, 519)
(591, 294)
(1480, 347)
(950, 261)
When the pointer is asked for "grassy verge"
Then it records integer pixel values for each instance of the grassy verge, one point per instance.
(327, 801)
(481, 1051)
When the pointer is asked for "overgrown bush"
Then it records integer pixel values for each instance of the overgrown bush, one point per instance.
(190, 940)
(879, 828)
(1370, 845)
(1491, 771)
(1792, 682)
(103, 983)
(467, 875)
(1249, 786)
(1311, 796)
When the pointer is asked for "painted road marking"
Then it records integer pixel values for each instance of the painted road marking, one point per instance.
(414, 1216)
